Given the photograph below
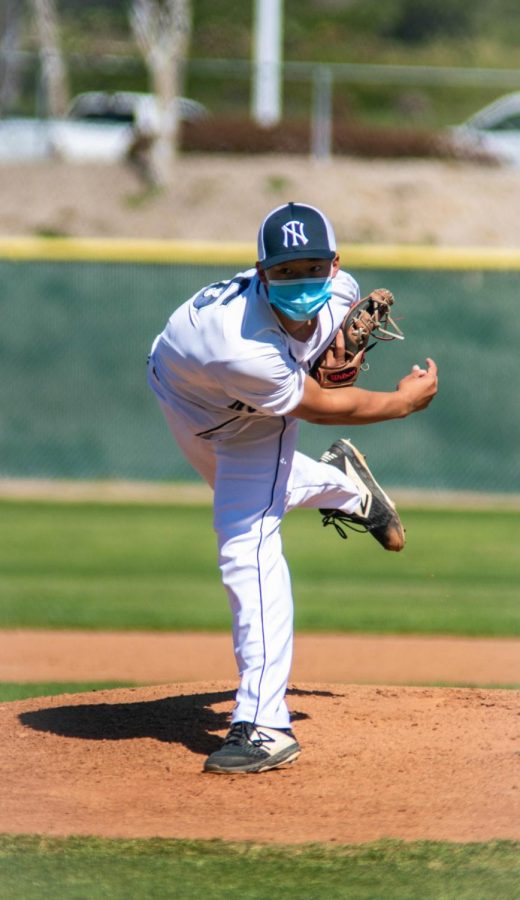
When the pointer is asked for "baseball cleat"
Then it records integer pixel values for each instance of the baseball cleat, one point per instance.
(253, 748)
(377, 513)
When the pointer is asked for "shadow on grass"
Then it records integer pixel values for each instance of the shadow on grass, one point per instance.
(188, 719)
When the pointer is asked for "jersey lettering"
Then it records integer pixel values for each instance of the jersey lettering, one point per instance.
(221, 291)
(239, 406)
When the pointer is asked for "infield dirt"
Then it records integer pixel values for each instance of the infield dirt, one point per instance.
(378, 760)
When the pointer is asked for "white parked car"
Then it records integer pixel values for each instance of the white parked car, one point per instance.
(25, 140)
(494, 131)
(99, 127)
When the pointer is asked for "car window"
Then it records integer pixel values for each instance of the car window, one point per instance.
(510, 123)
(102, 116)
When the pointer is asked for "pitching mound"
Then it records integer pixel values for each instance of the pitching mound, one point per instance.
(377, 762)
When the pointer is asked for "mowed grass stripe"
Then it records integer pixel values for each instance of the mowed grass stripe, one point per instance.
(104, 566)
(77, 867)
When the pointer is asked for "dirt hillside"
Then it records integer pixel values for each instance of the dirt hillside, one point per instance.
(225, 198)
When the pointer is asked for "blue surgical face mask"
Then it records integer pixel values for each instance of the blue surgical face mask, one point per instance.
(300, 298)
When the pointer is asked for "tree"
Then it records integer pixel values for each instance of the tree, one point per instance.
(52, 63)
(420, 21)
(161, 29)
(10, 70)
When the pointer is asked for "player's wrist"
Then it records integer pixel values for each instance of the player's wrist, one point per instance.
(404, 403)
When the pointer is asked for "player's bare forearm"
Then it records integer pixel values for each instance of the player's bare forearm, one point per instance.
(351, 406)
(355, 406)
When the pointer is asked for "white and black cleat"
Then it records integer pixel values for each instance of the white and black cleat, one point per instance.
(253, 748)
(377, 513)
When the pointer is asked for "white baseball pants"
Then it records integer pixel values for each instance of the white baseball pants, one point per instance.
(257, 477)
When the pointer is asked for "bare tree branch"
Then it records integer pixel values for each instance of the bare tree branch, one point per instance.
(10, 81)
(161, 29)
(52, 62)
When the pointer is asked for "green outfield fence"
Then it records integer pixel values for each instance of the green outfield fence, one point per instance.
(79, 316)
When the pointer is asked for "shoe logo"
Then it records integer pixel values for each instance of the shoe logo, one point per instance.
(327, 456)
(262, 738)
(365, 504)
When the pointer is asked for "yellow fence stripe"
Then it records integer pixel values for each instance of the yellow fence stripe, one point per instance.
(122, 250)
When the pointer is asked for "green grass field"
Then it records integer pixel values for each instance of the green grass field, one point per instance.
(84, 868)
(154, 567)
(137, 566)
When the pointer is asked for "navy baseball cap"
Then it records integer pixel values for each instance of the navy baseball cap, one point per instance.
(292, 231)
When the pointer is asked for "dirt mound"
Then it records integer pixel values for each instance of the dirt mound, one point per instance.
(377, 762)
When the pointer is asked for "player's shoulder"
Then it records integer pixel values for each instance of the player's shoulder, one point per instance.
(345, 289)
(346, 282)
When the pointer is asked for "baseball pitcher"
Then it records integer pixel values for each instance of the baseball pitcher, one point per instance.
(236, 368)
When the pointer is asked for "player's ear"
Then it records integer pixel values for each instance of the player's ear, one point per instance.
(335, 266)
(261, 273)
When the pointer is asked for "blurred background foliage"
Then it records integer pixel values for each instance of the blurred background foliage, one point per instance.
(101, 54)
(325, 29)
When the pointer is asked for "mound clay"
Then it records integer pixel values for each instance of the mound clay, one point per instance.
(399, 762)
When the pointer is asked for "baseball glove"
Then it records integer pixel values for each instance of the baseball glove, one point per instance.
(339, 365)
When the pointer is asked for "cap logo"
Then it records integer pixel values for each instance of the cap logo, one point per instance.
(293, 231)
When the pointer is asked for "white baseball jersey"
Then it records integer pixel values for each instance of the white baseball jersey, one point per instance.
(224, 356)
